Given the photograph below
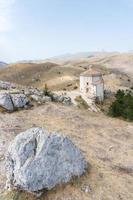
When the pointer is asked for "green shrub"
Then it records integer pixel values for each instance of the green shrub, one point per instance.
(46, 91)
(122, 106)
(81, 102)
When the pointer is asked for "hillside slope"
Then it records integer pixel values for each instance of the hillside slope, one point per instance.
(116, 61)
(106, 144)
(63, 74)
(37, 75)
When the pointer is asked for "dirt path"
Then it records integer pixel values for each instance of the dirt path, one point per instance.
(75, 93)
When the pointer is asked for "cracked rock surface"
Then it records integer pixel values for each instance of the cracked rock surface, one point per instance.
(38, 160)
(12, 101)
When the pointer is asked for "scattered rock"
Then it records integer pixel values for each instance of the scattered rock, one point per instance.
(55, 98)
(67, 101)
(46, 99)
(86, 189)
(6, 102)
(62, 99)
(35, 98)
(19, 100)
(38, 160)
(7, 85)
(33, 91)
(41, 99)
(11, 102)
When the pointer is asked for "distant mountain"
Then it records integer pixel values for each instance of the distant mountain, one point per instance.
(3, 65)
(80, 55)
(69, 57)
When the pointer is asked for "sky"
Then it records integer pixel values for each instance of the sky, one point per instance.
(39, 29)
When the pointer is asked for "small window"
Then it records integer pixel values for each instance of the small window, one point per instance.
(87, 83)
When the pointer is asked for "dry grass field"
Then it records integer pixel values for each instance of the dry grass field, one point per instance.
(37, 75)
(106, 144)
(63, 74)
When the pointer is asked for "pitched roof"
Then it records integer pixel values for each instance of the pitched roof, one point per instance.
(91, 72)
(98, 82)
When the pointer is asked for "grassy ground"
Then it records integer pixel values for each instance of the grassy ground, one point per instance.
(65, 76)
(106, 144)
(81, 102)
(55, 76)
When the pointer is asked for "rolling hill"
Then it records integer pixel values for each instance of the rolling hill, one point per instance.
(37, 75)
(62, 73)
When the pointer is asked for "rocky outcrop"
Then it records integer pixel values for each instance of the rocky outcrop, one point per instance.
(20, 95)
(19, 100)
(11, 102)
(62, 99)
(6, 85)
(40, 99)
(46, 99)
(33, 91)
(38, 96)
(38, 160)
(6, 102)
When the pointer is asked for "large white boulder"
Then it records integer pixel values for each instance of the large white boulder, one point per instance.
(13, 101)
(38, 160)
(6, 101)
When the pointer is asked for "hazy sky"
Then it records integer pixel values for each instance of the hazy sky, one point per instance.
(37, 29)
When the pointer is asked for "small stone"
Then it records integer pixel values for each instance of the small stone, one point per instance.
(86, 189)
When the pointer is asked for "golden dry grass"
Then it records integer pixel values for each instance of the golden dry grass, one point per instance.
(37, 75)
(65, 75)
(106, 144)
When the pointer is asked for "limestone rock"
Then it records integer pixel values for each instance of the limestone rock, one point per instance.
(46, 99)
(7, 85)
(12, 101)
(41, 99)
(67, 101)
(33, 91)
(35, 98)
(6, 101)
(55, 98)
(38, 160)
(62, 99)
(19, 100)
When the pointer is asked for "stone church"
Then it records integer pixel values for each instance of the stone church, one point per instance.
(92, 84)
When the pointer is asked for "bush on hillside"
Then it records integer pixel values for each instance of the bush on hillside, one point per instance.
(122, 106)
(81, 102)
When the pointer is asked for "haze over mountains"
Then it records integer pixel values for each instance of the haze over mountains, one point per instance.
(116, 60)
